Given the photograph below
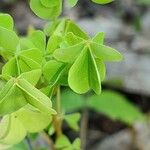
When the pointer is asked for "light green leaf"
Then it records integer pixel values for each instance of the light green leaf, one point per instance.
(102, 1)
(6, 21)
(72, 3)
(77, 144)
(62, 142)
(32, 76)
(68, 54)
(8, 36)
(11, 98)
(72, 120)
(54, 71)
(46, 12)
(53, 43)
(38, 38)
(32, 119)
(101, 68)
(49, 3)
(105, 53)
(99, 38)
(115, 106)
(84, 75)
(35, 97)
(15, 131)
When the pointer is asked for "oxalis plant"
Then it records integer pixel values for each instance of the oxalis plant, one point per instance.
(36, 66)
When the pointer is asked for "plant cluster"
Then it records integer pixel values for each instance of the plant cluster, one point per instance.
(36, 66)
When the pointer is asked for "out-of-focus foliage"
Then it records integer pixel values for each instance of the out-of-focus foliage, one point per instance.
(109, 103)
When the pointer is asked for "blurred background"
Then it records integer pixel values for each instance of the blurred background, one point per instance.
(113, 120)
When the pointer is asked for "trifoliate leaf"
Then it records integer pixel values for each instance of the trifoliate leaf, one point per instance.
(88, 56)
(64, 26)
(18, 92)
(25, 61)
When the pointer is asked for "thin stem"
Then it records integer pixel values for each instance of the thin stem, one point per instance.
(29, 144)
(57, 118)
(48, 140)
(84, 128)
(58, 101)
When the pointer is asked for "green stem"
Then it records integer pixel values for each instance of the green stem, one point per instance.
(57, 119)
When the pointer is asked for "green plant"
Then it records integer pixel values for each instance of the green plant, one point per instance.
(34, 69)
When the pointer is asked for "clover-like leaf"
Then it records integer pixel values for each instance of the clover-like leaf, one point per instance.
(102, 1)
(24, 61)
(64, 26)
(88, 57)
(45, 9)
(6, 21)
(18, 92)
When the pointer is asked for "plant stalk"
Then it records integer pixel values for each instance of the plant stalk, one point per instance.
(57, 119)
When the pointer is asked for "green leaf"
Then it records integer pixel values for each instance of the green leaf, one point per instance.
(68, 54)
(6, 21)
(32, 76)
(62, 142)
(72, 3)
(8, 36)
(35, 97)
(45, 11)
(49, 3)
(99, 38)
(102, 1)
(71, 101)
(64, 26)
(38, 38)
(72, 120)
(105, 53)
(32, 119)
(115, 106)
(54, 71)
(15, 131)
(101, 68)
(11, 98)
(77, 144)
(84, 74)
(53, 43)
(18, 92)
(25, 61)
